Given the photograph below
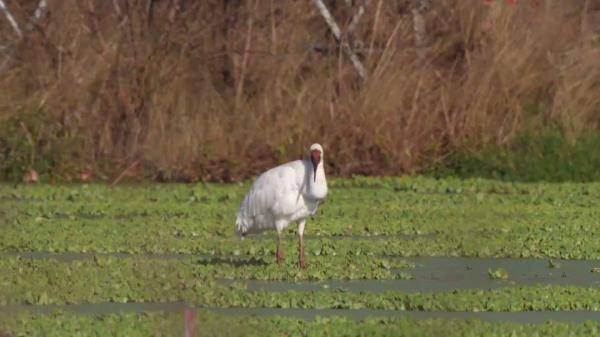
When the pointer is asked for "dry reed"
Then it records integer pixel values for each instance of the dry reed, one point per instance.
(222, 89)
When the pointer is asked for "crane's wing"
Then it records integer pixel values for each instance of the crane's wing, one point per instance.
(274, 195)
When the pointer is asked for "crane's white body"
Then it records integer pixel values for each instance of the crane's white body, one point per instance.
(282, 195)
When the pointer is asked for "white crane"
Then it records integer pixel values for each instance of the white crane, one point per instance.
(284, 194)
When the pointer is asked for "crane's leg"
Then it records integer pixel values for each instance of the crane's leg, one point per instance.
(301, 243)
(279, 253)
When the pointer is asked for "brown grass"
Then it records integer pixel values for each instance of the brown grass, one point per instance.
(220, 90)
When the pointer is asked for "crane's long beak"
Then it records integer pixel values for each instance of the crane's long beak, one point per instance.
(315, 158)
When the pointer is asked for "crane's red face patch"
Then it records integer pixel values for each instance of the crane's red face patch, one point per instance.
(315, 158)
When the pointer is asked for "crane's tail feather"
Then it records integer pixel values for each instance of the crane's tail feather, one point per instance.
(240, 227)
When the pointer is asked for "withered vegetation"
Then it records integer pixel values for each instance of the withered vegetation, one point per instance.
(222, 89)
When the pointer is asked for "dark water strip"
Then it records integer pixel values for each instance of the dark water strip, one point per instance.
(430, 274)
(310, 314)
(435, 274)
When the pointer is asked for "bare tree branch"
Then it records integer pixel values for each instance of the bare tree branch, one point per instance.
(150, 11)
(335, 30)
(419, 27)
(242, 75)
(39, 11)
(11, 19)
(357, 16)
(117, 8)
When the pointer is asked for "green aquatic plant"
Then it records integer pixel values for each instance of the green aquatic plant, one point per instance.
(498, 274)
(553, 264)
(171, 242)
(412, 216)
(171, 324)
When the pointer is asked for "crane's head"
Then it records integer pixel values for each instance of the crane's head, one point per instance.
(316, 154)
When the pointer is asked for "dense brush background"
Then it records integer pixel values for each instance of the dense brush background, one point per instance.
(219, 90)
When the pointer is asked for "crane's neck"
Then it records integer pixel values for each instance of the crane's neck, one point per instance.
(317, 183)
